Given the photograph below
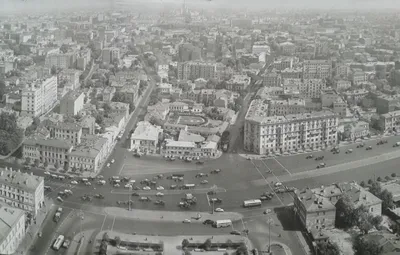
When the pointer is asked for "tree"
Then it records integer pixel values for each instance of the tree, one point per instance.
(37, 162)
(370, 181)
(117, 241)
(393, 175)
(362, 184)
(187, 253)
(10, 134)
(387, 199)
(328, 248)
(46, 163)
(99, 119)
(2, 89)
(53, 70)
(56, 165)
(345, 213)
(107, 108)
(379, 179)
(242, 250)
(363, 246)
(376, 221)
(207, 244)
(66, 166)
(28, 161)
(64, 48)
(185, 243)
(387, 178)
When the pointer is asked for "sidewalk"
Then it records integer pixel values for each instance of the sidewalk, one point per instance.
(43, 216)
(168, 216)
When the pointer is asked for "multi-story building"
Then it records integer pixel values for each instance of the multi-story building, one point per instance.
(190, 149)
(342, 85)
(72, 78)
(145, 138)
(283, 107)
(358, 76)
(317, 69)
(357, 130)
(287, 48)
(340, 107)
(342, 70)
(22, 190)
(355, 96)
(316, 208)
(66, 131)
(283, 63)
(272, 79)
(238, 83)
(258, 49)
(90, 154)
(108, 93)
(195, 69)
(110, 54)
(72, 103)
(61, 60)
(52, 151)
(12, 229)
(311, 88)
(265, 134)
(328, 97)
(390, 122)
(294, 73)
(39, 97)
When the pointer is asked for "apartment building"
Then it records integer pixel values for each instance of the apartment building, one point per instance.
(39, 97)
(328, 97)
(66, 131)
(282, 107)
(145, 137)
(311, 88)
(110, 54)
(238, 83)
(52, 151)
(21, 190)
(317, 69)
(272, 80)
(12, 229)
(71, 76)
(72, 103)
(292, 73)
(342, 85)
(189, 149)
(193, 70)
(390, 122)
(287, 48)
(283, 63)
(61, 60)
(90, 154)
(357, 130)
(258, 49)
(316, 208)
(265, 134)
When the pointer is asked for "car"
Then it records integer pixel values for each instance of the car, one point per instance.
(47, 188)
(369, 148)
(349, 151)
(60, 199)
(211, 192)
(47, 173)
(204, 182)
(135, 194)
(112, 161)
(116, 185)
(144, 199)
(160, 176)
(136, 188)
(88, 184)
(68, 192)
(173, 186)
(100, 177)
(146, 188)
(128, 186)
(216, 171)
(216, 200)
(208, 222)
(235, 232)
(108, 165)
(74, 182)
(361, 145)
(278, 184)
(219, 210)
(171, 159)
(319, 158)
(309, 156)
(101, 182)
(66, 243)
(99, 196)
(321, 165)
(160, 188)
(186, 221)
(159, 194)
(201, 175)
(265, 198)
(199, 162)
(159, 202)
(267, 211)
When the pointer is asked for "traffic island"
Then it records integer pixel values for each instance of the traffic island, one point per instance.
(111, 242)
(171, 216)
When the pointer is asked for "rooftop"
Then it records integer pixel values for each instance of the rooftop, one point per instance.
(20, 180)
(9, 216)
(146, 131)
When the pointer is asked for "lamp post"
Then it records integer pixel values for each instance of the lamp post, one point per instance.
(130, 194)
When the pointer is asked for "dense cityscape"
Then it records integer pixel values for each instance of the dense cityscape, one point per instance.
(184, 128)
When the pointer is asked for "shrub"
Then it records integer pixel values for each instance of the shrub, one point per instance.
(379, 179)
(393, 175)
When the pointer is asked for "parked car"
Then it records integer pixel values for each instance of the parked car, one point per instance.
(361, 145)
(135, 194)
(321, 165)
(145, 199)
(309, 156)
(66, 243)
(112, 161)
(160, 188)
(267, 211)
(159, 202)
(146, 188)
(216, 200)
(186, 221)
(159, 194)
(369, 148)
(99, 196)
(219, 210)
(208, 222)
(74, 182)
(204, 182)
(201, 175)
(349, 151)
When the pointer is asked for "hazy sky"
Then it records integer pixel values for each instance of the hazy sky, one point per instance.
(37, 5)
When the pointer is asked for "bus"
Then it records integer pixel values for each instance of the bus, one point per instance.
(189, 186)
(222, 223)
(252, 202)
(58, 242)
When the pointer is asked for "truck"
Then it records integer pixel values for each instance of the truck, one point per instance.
(57, 215)
(222, 223)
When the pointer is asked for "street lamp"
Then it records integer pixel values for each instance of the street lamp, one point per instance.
(130, 194)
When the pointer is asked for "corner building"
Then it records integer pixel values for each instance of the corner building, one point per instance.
(265, 134)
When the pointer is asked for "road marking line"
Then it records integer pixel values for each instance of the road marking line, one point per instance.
(112, 226)
(266, 181)
(104, 221)
(284, 168)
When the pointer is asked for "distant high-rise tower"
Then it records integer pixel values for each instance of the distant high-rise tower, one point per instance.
(183, 10)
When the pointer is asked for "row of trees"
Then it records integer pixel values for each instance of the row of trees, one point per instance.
(123, 98)
(10, 134)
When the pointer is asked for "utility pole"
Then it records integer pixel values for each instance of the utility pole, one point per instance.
(130, 194)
